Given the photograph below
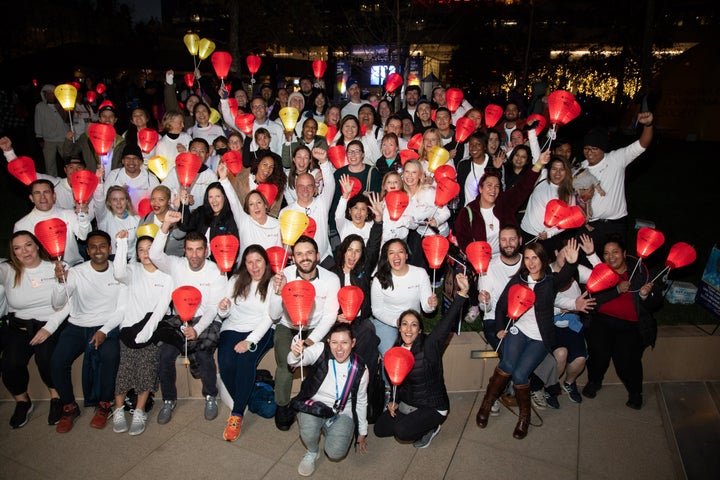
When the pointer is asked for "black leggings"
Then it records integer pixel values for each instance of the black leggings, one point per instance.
(410, 427)
(17, 352)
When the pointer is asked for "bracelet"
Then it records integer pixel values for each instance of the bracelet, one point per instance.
(649, 125)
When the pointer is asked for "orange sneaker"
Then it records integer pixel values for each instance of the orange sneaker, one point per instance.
(101, 415)
(232, 431)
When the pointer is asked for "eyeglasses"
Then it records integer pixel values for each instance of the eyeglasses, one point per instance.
(354, 152)
(257, 107)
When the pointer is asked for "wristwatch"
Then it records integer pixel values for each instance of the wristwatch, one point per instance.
(252, 346)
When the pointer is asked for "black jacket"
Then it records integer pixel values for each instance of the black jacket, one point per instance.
(545, 292)
(424, 386)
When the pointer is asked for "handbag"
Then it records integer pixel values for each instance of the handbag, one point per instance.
(319, 409)
(376, 394)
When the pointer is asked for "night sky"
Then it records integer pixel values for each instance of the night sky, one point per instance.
(143, 10)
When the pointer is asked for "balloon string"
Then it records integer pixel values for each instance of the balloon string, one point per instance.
(506, 329)
(71, 125)
(67, 294)
(635, 269)
(659, 274)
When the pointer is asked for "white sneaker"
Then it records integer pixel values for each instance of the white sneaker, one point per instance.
(538, 399)
(138, 422)
(119, 422)
(307, 465)
(495, 409)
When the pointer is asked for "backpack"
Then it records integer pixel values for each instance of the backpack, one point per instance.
(262, 398)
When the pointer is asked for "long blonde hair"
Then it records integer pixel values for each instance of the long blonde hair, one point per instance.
(117, 188)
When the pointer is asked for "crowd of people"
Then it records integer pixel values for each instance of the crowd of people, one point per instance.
(109, 297)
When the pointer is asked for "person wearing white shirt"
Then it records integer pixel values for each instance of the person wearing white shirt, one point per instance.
(148, 297)
(175, 140)
(246, 333)
(610, 210)
(115, 214)
(194, 270)
(194, 194)
(338, 380)
(96, 311)
(354, 100)
(133, 175)
(42, 194)
(306, 258)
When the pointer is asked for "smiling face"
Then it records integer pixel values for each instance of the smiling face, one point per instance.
(305, 257)
(352, 255)
(509, 243)
(259, 109)
(557, 172)
(350, 130)
(139, 118)
(384, 109)
(533, 264)
(397, 258)
(493, 143)
(409, 329)
(255, 265)
(264, 170)
(341, 346)
(354, 93)
(216, 200)
(389, 148)
(593, 155)
(614, 256)
(354, 155)
(72, 167)
(320, 102)
(309, 130)
(394, 125)
(423, 112)
(511, 112)
(412, 97)
(442, 120)
(235, 142)
(392, 182)
(159, 202)
(262, 140)
(516, 138)
(297, 103)
(132, 165)
(118, 202)
(191, 101)
(26, 251)
(202, 114)
(564, 151)
(332, 116)
(477, 150)
(412, 175)
(200, 150)
(257, 209)
(195, 252)
(98, 250)
(241, 97)
(359, 214)
(520, 159)
(301, 160)
(476, 117)
(365, 115)
(489, 191)
(305, 187)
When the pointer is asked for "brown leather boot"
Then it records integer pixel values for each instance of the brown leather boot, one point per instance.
(522, 394)
(496, 385)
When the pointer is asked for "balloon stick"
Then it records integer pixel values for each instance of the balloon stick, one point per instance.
(507, 327)
(428, 224)
(394, 392)
(659, 274)
(282, 266)
(302, 375)
(72, 129)
(634, 269)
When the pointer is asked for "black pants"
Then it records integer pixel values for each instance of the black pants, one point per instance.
(410, 427)
(168, 372)
(17, 352)
(611, 338)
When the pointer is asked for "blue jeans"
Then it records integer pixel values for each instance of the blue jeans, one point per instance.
(520, 356)
(337, 437)
(237, 370)
(72, 343)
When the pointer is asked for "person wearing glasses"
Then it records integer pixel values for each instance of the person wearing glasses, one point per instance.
(609, 211)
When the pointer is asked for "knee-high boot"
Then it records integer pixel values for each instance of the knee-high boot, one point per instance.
(522, 394)
(496, 385)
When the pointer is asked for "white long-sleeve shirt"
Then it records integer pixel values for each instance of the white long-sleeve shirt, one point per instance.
(610, 171)
(167, 148)
(346, 227)
(112, 224)
(31, 298)
(334, 381)
(325, 308)
(146, 292)
(197, 189)
(95, 298)
(422, 206)
(498, 276)
(251, 314)
(250, 231)
(139, 187)
(411, 290)
(209, 280)
(77, 226)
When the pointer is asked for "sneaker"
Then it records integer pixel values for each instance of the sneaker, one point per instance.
(572, 391)
(55, 411)
(495, 409)
(138, 422)
(70, 413)
(101, 415)
(232, 431)
(119, 421)
(552, 401)
(22, 413)
(591, 388)
(538, 399)
(426, 439)
(165, 413)
(307, 464)
(211, 408)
